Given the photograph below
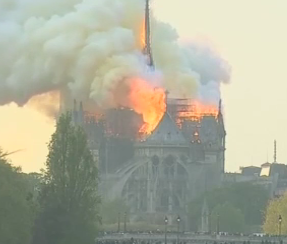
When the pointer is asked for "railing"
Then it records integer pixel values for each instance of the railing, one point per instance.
(190, 238)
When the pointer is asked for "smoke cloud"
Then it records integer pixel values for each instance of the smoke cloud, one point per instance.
(92, 48)
(212, 69)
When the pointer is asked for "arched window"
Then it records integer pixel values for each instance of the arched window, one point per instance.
(155, 160)
(169, 163)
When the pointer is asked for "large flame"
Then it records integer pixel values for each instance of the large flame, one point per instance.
(148, 101)
(195, 111)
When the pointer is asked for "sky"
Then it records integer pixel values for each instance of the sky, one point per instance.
(250, 35)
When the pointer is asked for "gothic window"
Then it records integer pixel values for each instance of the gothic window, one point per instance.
(155, 163)
(169, 163)
(155, 160)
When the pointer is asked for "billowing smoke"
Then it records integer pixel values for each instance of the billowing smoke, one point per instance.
(93, 49)
(212, 69)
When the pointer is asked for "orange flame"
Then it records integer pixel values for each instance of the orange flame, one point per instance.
(143, 44)
(195, 111)
(148, 101)
(198, 110)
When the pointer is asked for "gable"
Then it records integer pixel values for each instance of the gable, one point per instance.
(166, 133)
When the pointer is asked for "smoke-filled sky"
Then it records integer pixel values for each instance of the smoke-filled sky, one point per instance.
(250, 35)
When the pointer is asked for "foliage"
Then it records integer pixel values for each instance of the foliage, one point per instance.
(16, 217)
(111, 210)
(249, 198)
(227, 218)
(33, 181)
(68, 197)
(275, 208)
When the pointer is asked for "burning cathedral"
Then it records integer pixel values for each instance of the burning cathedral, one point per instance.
(157, 173)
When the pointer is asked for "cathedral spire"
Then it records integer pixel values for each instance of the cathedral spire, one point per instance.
(148, 35)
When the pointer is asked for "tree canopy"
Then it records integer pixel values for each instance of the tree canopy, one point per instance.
(227, 218)
(15, 208)
(249, 198)
(275, 208)
(68, 198)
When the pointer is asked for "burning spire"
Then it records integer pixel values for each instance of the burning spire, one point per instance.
(147, 40)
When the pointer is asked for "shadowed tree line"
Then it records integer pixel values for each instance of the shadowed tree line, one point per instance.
(59, 206)
(16, 204)
(238, 207)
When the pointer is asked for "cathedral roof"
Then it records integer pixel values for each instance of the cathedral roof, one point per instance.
(166, 133)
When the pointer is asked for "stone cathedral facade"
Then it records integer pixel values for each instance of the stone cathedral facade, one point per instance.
(160, 174)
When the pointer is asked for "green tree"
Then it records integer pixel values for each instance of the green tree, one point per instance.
(69, 201)
(16, 218)
(33, 181)
(275, 208)
(249, 198)
(226, 218)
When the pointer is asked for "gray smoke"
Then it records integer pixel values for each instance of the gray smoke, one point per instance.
(91, 47)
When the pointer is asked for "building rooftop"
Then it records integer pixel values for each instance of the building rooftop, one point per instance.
(166, 133)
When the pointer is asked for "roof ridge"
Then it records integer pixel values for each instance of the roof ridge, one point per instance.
(166, 132)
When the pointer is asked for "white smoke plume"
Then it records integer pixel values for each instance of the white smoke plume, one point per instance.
(212, 69)
(93, 49)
